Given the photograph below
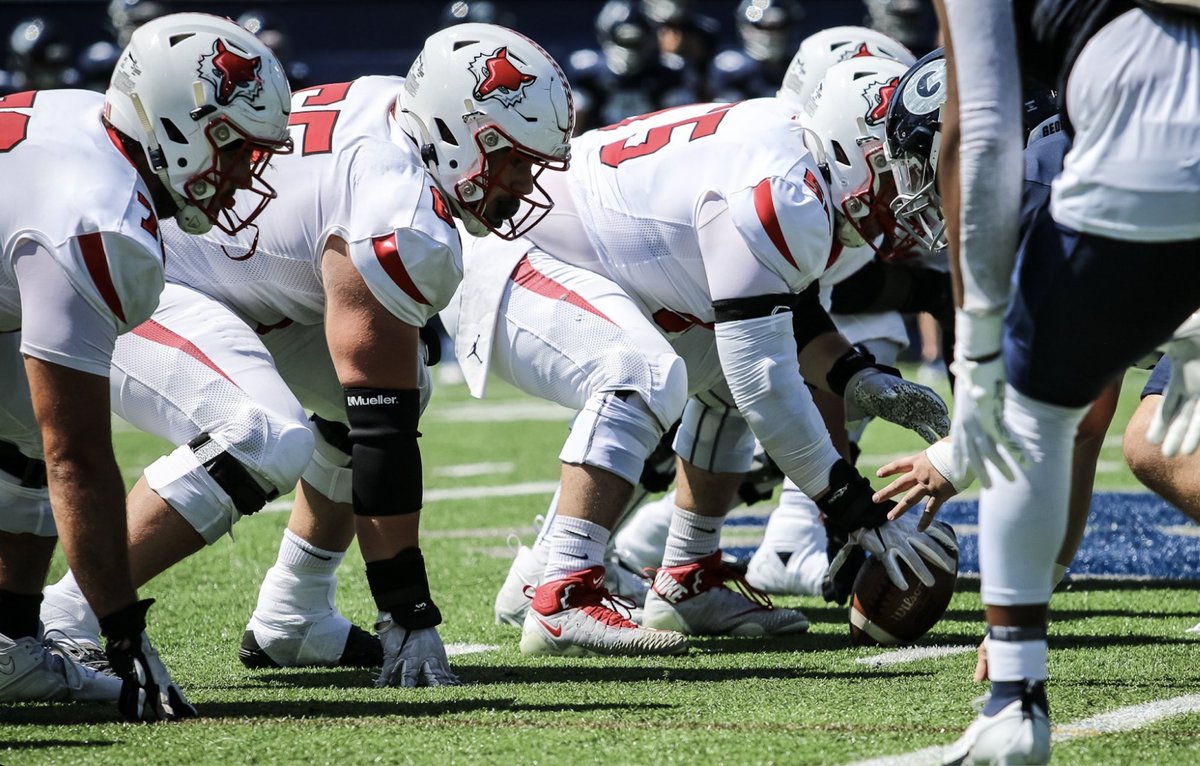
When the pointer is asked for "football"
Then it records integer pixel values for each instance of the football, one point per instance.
(883, 615)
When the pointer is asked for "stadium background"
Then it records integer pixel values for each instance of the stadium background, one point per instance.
(347, 39)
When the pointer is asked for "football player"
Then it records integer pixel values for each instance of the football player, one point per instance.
(320, 309)
(195, 110)
(688, 292)
(792, 558)
(1120, 240)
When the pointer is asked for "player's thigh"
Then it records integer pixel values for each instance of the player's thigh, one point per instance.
(195, 367)
(566, 333)
(1087, 307)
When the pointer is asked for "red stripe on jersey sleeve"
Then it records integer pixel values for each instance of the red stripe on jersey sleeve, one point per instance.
(531, 279)
(764, 205)
(94, 257)
(156, 333)
(389, 259)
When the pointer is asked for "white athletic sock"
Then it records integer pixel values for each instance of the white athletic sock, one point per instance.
(691, 537)
(575, 544)
(299, 555)
(1016, 660)
(640, 541)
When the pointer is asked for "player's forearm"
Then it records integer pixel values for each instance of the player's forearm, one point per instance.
(88, 498)
(981, 142)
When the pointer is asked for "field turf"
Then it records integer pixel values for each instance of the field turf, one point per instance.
(1118, 646)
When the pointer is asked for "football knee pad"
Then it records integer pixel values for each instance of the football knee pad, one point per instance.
(615, 431)
(714, 436)
(25, 509)
(212, 485)
(329, 472)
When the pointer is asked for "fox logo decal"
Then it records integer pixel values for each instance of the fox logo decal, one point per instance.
(878, 100)
(496, 76)
(230, 74)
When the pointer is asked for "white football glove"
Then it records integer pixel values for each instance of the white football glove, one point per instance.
(899, 541)
(1176, 422)
(978, 433)
(896, 400)
(412, 657)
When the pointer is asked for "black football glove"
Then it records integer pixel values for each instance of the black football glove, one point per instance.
(147, 692)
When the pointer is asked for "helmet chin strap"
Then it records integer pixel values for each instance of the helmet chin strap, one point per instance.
(190, 218)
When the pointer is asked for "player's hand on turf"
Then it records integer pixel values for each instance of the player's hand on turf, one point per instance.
(1176, 422)
(412, 657)
(147, 691)
(978, 433)
(926, 474)
(899, 542)
(915, 407)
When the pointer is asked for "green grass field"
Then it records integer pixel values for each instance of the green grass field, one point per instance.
(804, 700)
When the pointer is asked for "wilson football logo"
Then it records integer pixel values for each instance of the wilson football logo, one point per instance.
(231, 75)
(497, 77)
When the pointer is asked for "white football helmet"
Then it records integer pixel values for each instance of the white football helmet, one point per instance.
(847, 112)
(823, 49)
(203, 97)
(474, 91)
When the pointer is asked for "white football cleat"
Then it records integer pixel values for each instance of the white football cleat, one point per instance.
(31, 672)
(626, 582)
(575, 616)
(787, 573)
(1018, 734)
(692, 599)
(512, 601)
(296, 624)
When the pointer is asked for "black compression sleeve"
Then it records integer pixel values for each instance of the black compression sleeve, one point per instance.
(384, 450)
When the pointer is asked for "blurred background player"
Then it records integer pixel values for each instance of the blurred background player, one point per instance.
(627, 76)
(195, 110)
(687, 34)
(39, 57)
(767, 31)
(268, 28)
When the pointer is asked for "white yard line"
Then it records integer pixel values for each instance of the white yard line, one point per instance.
(1121, 719)
(500, 412)
(912, 654)
(473, 469)
(456, 493)
(457, 650)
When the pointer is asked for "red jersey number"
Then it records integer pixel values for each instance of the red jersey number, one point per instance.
(14, 126)
(660, 135)
(318, 124)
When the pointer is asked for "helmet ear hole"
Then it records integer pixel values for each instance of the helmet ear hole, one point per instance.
(444, 132)
(172, 131)
(839, 153)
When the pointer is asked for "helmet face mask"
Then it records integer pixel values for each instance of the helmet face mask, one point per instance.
(208, 103)
(490, 111)
(913, 131)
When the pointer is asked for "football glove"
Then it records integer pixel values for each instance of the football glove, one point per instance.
(1176, 422)
(978, 433)
(874, 392)
(899, 542)
(147, 691)
(412, 657)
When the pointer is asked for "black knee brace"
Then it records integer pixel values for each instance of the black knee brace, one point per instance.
(246, 492)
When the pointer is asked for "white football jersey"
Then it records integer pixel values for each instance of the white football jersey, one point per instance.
(639, 187)
(353, 174)
(70, 189)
